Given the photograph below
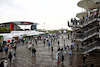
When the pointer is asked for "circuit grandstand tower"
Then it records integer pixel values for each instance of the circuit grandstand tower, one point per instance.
(86, 30)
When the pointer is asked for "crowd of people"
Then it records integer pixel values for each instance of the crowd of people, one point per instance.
(10, 48)
(10, 53)
(84, 19)
(49, 41)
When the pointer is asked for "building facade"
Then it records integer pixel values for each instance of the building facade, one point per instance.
(86, 31)
(14, 25)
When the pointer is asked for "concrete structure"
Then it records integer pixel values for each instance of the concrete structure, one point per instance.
(14, 25)
(86, 31)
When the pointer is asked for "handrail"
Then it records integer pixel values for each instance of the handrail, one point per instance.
(82, 39)
(85, 31)
(83, 35)
(84, 22)
(88, 47)
(89, 30)
(97, 47)
(88, 44)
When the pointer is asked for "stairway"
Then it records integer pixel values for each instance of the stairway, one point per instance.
(92, 49)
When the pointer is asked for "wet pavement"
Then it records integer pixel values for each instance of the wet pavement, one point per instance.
(45, 58)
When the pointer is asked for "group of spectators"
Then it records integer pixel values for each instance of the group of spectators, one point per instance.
(10, 54)
(92, 15)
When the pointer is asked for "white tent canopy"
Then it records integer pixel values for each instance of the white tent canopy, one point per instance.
(65, 31)
(9, 36)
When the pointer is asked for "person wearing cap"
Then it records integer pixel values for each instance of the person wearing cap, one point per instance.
(5, 63)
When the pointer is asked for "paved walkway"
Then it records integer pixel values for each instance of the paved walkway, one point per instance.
(44, 57)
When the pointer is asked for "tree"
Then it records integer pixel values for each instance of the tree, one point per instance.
(4, 29)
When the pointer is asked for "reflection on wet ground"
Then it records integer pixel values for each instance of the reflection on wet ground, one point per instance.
(45, 58)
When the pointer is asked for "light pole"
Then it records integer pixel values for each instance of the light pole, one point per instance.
(44, 26)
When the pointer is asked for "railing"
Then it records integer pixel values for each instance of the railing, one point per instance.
(83, 22)
(79, 36)
(88, 33)
(90, 30)
(88, 47)
(92, 49)
(82, 38)
(70, 24)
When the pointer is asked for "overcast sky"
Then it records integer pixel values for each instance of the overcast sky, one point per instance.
(54, 13)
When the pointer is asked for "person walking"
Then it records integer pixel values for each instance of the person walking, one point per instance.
(1, 49)
(44, 42)
(30, 45)
(26, 41)
(47, 39)
(33, 51)
(65, 48)
(2, 64)
(92, 65)
(62, 49)
(72, 21)
(71, 48)
(70, 53)
(84, 59)
(64, 41)
(14, 55)
(10, 57)
(52, 49)
(22, 41)
(68, 36)
(57, 56)
(68, 46)
(59, 49)
(51, 40)
(10, 48)
(62, 58)
(48, 43)
(36, 42)
(32, 42)
(62, 35)
(6, 63)
(6, 50)
(15, 46)
(4, 42)
(58, 43)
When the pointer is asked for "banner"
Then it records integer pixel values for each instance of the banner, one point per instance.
(11, 26)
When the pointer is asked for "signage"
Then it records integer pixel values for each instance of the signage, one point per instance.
(11, 26)
(33, 27)
(26, 23)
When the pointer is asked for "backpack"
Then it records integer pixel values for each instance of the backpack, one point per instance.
(6, 49)
(34, 51)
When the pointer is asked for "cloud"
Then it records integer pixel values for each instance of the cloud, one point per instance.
(54, 13)
(6, 3)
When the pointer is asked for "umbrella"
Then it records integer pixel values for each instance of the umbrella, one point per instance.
(70, 53)
(8, 40)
